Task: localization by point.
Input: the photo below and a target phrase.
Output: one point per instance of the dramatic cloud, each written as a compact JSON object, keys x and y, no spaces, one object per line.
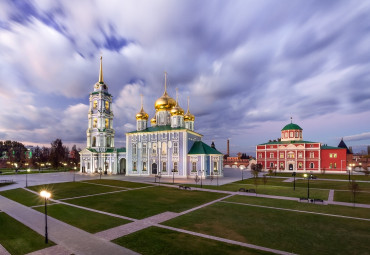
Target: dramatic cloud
{"x":247,"y":66}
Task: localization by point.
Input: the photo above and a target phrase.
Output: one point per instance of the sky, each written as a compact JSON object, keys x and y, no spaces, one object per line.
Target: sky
{"x":247,"y":67}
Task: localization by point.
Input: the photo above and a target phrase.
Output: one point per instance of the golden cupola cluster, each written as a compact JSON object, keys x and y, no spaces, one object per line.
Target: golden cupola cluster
{"x":142,"y":115}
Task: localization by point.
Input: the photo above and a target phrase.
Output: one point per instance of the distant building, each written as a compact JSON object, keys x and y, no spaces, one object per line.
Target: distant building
{"x":292,"y":153}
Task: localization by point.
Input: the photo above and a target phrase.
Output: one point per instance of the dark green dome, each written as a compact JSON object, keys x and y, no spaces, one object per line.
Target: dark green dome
{"x":292,"y":126}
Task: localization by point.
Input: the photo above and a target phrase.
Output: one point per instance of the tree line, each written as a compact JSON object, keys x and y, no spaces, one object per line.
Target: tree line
{"x":15,"y":155}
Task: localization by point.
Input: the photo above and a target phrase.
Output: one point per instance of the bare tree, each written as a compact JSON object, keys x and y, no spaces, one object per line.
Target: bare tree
{"x":264,"y":179}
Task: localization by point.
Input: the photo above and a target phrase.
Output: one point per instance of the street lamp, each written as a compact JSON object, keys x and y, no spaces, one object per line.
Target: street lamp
{"x":349,"y":171}
{"x":74,"y":174}
{"x":46,"y":195}
{"x":241,"y":169}
{"x":308,"y":184}
{"x":294,"y":174}
{"x":27,"y":171}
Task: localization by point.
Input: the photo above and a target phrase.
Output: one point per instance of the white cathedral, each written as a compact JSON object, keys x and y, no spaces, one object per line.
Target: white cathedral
{"x":170,"y":146}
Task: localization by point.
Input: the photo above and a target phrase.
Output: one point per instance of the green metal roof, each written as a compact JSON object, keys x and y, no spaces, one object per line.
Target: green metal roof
{"x":159,"y":128}
{"x":201,"y":148}
{"x":325,"y":147}
{"x":121,"y":150}
{"x":285,"y":142}
{"x":292,"y":126}
{"x":97,"y":92}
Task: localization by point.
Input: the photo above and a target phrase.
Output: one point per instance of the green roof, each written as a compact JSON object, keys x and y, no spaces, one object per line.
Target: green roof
{"x":325,"y":147}
{"x":159,"y":128}
{"x":97,"y":92}
{"x":201,"y":148}
{"x":292,"y":126}
{"x":286,"y":142}
{"x":121,"y":150}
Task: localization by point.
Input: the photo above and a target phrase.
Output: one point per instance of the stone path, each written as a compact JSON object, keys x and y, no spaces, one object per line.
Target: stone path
{"x":289,"y":180}
{"x":331,"y":196}
{"x":132,"y":227}
{"x":71,"y":238}
{"x":3,"y":251}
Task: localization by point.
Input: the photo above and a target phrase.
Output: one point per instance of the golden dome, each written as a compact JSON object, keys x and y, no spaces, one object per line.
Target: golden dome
{"x":165,"y":102}
{"x":142,"y":115}
{"x":153,"y":121}
{"x":177,"y":110}
{"x":189,"y":117}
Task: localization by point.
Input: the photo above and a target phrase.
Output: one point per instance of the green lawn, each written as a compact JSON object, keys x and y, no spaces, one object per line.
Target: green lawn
{"x":295,"y":232}
{"x":347,"y":196}
{"x":328,"y":176}
{"x":329,"y":209}
{"x":125,"y":184}
{"x":154,"y":240}
{"x":143,"y":203}
{"x":23,"y":197}
{"x":73,"y":189}
{"x":18,"y":238}
{"x":89,"y":221}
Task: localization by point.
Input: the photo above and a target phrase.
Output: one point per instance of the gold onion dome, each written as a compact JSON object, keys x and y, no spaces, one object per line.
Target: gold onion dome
{"x":153,"y":120}
{"x":142,"y":115}
{"x":188,"y":116}
{"x":165,"y":102}
{"x":177,"y":110}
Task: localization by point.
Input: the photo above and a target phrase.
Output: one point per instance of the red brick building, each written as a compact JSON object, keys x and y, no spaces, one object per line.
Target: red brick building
{"x":292,"y":153}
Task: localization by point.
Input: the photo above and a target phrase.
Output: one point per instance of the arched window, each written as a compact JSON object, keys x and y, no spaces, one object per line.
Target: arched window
{"x":312,"y":165}
{"x":175,"y":148}
{"x":154,"y":149}
{"x":106,"y":123}
{"x":194,"y":167}
{"x":95,"y":122}
{"x":215,"y":167}
{"x":175,"y":166}
{"x":300,"y":165}
{"x":134,"y":150}
{"x":95,"y":104}
{"x":164,"y":148}
{"x":144,"y":166}
{"x":93,"y":141}
{"x":144,"y":149}
{"x":107,"y":105}
{"x":164,"y":167}
{"x":108,"y":141}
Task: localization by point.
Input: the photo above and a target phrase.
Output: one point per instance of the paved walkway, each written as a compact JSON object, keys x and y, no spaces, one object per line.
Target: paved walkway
{"x":3,"y":251}
{"x":71,"y":238}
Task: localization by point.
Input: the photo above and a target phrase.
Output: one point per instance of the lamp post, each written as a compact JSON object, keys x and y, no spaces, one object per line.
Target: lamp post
{"x":308,"y":184}
{"x":241,"y":169}
{"x":173,"y":176}
{"x":294,"y":174}
{"x":46,"y":195}
{"x":27,"y":171}
{"x":349,"y":171}
{"x":74,"y":174}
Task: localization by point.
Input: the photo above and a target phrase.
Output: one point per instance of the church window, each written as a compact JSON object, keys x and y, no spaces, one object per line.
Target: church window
{"x":300,"y":155}
{"x":271,"y":165}
{"x":144,"y":149}
{"x":95,"y":122}
{"x":95,"y":104}
{"x":281,"y":154}
{"x":335,"y":155}
{"x":300,"y":165}
{"x":164,"y":167}
{"x":281,"y":165}
{"x":331,"y":165}
{"x":335,"y":165}
{"x":312,"y":154}
{"x":300,"y":134}
{"x":259,"y":155}
{"x":93,"y":142}
{"x":175,"y":166}
{"x":312,"y":165}
{"x":194,"y":167}
{"x":271,"y":155}
{"x":106,"y":123}
{"x":134,"y":149}
{"x":215,"y":167}
{"x":107,"y":105}
{"x":291,"y":135}
{"x":286,"y":134}
{"x":134,"y":166}
{"x":175,"y":148}
{"x":144,"y":166}
{"x":291,"y":155}
{"x":296,"y":134}
{"x":164,"y":148}
{"x":154,"y":149}
{"x":108,"y":141}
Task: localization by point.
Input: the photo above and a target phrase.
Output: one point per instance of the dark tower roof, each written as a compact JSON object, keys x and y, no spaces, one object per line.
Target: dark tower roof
{"x":342,"y":144}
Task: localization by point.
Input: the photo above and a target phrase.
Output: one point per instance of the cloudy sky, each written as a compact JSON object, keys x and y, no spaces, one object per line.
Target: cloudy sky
{"x":247,"y":66}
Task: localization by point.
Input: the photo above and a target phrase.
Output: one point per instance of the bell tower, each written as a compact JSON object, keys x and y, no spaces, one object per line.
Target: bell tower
{"x":100,"y":132}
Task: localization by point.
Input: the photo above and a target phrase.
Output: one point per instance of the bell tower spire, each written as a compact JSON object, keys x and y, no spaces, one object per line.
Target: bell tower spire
{"x":101,"y":70}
